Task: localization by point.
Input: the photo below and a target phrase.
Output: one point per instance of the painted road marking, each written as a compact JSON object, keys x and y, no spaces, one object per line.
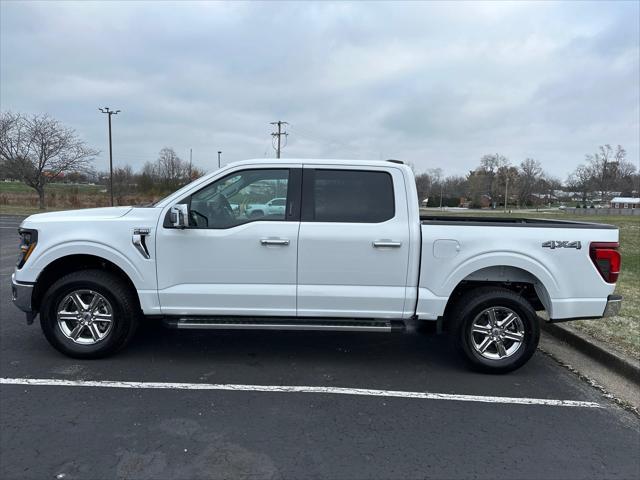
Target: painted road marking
{"x":296,"y":389}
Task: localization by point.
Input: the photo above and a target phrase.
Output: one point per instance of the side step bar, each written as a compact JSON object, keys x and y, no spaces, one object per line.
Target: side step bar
{"x":208,"y":323}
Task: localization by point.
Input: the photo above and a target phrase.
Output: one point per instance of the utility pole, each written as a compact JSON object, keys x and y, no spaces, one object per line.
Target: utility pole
{"x":441,"y":190}
{"x":506,"y":193}
{"x":278,"y":135}
{"x":109,"y":113}
{"x":219,"y":153}
{"x":190,"y":162}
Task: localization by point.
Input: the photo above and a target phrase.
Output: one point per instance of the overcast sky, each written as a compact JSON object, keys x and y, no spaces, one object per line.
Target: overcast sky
{"x":437,"y":85}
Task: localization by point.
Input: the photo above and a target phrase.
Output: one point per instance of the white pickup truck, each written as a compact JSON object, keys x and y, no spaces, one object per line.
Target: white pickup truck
{"x":349,"y":252}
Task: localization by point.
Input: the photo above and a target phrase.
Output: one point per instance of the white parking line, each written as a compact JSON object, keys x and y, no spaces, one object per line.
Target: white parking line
{"x":296,"y":389}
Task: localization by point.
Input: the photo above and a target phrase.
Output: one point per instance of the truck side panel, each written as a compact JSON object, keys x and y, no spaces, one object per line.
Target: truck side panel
{"x":565,"y":278}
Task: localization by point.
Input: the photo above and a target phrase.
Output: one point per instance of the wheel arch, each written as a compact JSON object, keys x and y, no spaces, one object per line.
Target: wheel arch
{"x":514,"y":278}
{"x":72,"y":263}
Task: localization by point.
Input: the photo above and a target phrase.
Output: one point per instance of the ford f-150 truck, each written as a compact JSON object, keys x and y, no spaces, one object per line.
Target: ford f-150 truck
{"x":349,"y":252}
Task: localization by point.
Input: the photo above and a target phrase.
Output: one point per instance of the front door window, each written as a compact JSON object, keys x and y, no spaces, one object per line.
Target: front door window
{"x":239,"y":198}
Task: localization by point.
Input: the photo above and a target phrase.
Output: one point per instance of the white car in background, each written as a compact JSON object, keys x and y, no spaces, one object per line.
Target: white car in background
{"x":274,"y":206}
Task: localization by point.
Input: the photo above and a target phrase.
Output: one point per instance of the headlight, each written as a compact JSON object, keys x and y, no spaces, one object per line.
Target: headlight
{"x":29,"y":239}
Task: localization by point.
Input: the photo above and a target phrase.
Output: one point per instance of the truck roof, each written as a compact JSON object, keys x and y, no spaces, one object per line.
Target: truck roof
{"x":314,"y":161}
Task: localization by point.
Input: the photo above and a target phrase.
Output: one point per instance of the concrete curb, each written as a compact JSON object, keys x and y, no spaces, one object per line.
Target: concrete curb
{"x":625,"y":366}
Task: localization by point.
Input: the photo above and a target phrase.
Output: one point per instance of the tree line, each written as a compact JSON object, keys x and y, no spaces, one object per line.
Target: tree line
{"x":497,"y":182}
{"x":168,"y":173}
{"x":38,"y":149}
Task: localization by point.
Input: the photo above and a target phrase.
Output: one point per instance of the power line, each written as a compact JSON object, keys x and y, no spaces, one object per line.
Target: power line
{"x":278,"y":135}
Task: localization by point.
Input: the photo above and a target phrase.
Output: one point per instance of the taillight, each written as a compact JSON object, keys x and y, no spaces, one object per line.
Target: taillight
{"x":606,"y":258}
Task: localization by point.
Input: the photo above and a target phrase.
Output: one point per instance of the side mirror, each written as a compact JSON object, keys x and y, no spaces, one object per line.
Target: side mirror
{"x":179,"y":215}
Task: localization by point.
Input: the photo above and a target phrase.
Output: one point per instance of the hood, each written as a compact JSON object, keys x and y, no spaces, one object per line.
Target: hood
{"x":78,"y":215}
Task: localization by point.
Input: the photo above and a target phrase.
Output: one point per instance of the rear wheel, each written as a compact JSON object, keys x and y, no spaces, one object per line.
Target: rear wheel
{"x":89,"y":314}
{"x":495,"y":329}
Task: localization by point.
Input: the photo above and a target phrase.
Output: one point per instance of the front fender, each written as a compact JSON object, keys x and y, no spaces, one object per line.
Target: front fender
{"x":30,"y":271}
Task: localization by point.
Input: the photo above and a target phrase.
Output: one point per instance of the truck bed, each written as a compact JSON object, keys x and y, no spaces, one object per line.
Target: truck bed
{"x":488,"y":221}
{"x":552,"y":255}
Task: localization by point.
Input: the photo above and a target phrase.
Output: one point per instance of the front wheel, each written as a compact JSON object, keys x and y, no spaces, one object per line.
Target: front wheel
{"x":495,"y":329}
{"x":89,"y":314}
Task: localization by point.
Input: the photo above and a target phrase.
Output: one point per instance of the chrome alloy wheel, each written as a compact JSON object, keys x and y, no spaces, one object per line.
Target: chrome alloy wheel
{"x":497,"y":333}
{"x":85,"y":317}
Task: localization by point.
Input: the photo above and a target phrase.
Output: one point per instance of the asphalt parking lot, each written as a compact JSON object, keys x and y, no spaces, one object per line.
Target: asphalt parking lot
{"x":130,"y":430}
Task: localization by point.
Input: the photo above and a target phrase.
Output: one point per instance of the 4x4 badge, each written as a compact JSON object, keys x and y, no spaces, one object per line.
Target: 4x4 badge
{"x":562,"y":244}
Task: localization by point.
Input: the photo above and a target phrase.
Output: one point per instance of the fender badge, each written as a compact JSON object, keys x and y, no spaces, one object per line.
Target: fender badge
{"x":553,"y":244}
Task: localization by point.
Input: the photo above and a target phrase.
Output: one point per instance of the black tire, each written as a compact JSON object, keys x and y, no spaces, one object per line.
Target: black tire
{"x":256,"y":214}
{"x":472,"y":304}
{"x":123,"y":302}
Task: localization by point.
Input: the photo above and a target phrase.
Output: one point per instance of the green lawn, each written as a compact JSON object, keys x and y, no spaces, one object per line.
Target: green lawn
{"x":19,"y":187}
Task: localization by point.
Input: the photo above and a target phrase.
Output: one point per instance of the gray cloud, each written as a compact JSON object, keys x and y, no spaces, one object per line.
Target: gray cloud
{"x":435,"y":84}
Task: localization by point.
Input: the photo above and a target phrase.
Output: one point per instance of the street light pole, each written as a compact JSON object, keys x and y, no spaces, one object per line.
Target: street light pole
{"x":219,"y":153}
{"x":506,"y":194}
{"x":109,"y":113}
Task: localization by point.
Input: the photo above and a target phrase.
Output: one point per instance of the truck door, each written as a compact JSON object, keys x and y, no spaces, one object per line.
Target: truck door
{"x":353,"y":246}
{"x":228,"y":261}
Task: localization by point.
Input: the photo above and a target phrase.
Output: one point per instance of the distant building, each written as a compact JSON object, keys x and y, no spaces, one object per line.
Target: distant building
{"x":625,"y":202}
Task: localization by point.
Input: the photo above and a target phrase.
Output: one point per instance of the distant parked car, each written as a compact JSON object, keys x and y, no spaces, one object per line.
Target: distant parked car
{"x":274,"y":206}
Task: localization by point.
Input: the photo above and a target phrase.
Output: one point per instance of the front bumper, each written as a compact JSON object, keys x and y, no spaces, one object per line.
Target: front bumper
{"x":614,"y":304}
{"x":21,"y":294}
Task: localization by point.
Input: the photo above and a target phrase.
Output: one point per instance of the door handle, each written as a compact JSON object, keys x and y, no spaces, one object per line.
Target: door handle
{"x":274,"y":241}
{"x":386,"y":244}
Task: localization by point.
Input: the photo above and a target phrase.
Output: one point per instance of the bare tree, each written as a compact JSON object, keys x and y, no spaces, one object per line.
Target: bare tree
{"x":505,"y":184}
{"x":123,"y":182}
{"x":196,"y":172}
{"x":455,"y":186}
{"x":423,"y":185}
{"x":581,"y":180}
{"x":428,"y":183}
{"x":604,"y":172}
{"x":530,"y":176}
{"x":172,"y":171}
{"x":608,"y":167}
{"x":493,"y":162}
{"x":490,"y":175}
{"x":435,"y":174}
{"x":38,"y":149}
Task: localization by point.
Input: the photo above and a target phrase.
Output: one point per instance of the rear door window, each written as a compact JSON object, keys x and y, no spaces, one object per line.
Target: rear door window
{"x":349,"y":196}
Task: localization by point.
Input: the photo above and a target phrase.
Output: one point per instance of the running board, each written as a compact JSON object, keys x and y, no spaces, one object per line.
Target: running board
{"x":207,"y":323}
